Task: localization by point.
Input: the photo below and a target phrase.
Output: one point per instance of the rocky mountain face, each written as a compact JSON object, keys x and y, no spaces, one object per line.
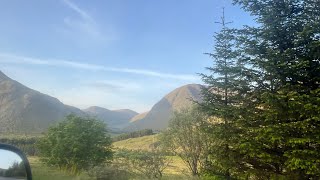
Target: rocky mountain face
{"x":159,"y":115}
{"x":116,"y":119}
{"x":24,"y":110}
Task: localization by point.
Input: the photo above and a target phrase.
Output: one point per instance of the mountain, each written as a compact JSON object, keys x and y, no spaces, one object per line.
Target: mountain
{"x":115,"y":119}
{"x":139,"y":117}
{"x":23,"y":110}
{"x":159,"y":115}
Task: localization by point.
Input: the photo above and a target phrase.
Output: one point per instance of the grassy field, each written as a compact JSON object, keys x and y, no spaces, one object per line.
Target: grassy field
{"x":42,"y":172}
{"x":177,"y":170}
{"x":176,"y":167}
{"x":140,"y":143}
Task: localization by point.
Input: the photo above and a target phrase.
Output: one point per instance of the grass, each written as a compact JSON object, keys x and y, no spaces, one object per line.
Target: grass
{"x":177,"y":170}
{"x":42,"y":172}
{"x":140,"y":143}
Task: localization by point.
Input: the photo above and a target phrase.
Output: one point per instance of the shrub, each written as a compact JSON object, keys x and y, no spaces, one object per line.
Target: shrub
{"x":76,"y":144}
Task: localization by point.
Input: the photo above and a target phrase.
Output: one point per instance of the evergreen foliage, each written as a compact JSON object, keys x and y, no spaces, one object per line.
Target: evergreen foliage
{"x":284,"y":49}
{"x":264,"y":91}
{"x":224,"y":101}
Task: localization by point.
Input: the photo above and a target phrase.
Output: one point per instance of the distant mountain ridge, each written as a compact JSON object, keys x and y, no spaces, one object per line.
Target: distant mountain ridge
{"x":116,"y":119}
{"x":25,"y":110}
{"x":159,"y":115}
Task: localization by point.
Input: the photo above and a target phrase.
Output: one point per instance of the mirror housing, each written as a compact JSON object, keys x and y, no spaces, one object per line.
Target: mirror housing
{"x":19,"y":161}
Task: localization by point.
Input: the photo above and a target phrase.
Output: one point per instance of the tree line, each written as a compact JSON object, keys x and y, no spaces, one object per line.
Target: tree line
{"x":16,"y":170}
{"x":135,"y":134}
{"x":26,"y":143}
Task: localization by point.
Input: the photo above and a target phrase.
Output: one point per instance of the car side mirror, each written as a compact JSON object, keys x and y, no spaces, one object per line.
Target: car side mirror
{"x":14,"y":165}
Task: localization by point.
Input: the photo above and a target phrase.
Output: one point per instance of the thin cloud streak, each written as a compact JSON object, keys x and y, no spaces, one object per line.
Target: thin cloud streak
{"x":14,"y":59}
{"x":78,"y":10}
{"x":83,"y":23}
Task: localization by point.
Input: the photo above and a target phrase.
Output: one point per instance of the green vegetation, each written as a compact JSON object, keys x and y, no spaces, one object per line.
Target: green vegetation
{"x":263,"y":91}
{"x":41,"y":171}
{"x":259,"y":118}
{"x":261,"y":99}
{"x":176,"y":169}
{"x":224,"y":100}
{"x":285,"y":121}
{"x":76,"y":144}
{"x":150,"y":164}
{"x":26,"y":143}
{"x":140,"y":133}
{"x":16,"y":170}
{"x":112,"y":171}
{"x":185,"y":139}
{"x":140,"y":143}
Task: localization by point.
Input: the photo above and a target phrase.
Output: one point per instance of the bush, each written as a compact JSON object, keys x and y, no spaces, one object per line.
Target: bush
{"x":76,"y":144}
{"x":146,"y":163}
{"x":109,"y":172}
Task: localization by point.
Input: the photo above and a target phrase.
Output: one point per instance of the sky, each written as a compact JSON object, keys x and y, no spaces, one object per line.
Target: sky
{"x":117,"y":54}
{"x":7,"y":158}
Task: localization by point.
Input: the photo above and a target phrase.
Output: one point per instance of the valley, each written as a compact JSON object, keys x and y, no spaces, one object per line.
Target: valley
{"x":27,"y":111}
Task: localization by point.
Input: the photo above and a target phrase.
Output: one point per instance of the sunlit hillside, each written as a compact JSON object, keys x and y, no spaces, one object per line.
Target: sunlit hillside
{"x":176,"y":167}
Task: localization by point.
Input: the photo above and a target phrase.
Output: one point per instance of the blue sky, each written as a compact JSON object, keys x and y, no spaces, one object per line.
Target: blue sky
{"x":8,"y":158}
{"x":113,"y":53}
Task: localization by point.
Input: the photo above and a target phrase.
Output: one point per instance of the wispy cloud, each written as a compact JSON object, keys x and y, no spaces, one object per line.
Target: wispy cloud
{"x":15,"y":59}
{"x":83,"y":22}
{"x":80,"y":11}
{"x":114,"y":85}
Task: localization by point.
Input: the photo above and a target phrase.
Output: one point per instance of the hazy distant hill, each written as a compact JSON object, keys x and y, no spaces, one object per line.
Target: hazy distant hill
{"x":139,"y":117}
{"x":116,"y":119}
{"x":25,"y":110}
{"x":158,"y":117}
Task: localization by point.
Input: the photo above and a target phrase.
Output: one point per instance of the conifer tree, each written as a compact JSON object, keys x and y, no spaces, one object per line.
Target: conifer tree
{"x":222,"y":100}
{"x":283,"y":131}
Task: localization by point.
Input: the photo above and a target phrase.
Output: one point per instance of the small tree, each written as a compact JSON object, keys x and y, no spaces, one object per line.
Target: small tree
{"x":148,"y":163}
{"x":185,"y":139}
{"x":223,"y":100}
{"x":76,"y":144}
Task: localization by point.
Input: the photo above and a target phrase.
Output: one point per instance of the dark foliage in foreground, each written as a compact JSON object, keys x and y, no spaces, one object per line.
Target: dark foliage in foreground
{"x":264,"y":89}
